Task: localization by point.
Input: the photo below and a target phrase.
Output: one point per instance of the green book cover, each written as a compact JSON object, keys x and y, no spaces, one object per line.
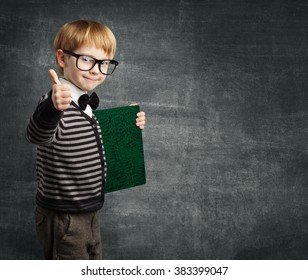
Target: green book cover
{"x":123,"y":145}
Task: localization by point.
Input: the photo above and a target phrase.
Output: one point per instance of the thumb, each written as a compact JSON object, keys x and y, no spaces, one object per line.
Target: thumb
{"x":54,"y":77}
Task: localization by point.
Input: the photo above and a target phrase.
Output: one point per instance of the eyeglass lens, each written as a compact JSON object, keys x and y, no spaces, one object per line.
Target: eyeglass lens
{"x":86,"y":63}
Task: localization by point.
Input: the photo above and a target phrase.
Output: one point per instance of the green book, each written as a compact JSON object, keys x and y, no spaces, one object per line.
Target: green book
{"x":123,"y":147}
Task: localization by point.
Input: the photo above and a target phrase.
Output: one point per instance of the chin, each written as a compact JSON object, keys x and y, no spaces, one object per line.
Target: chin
{"x":88,"y":88}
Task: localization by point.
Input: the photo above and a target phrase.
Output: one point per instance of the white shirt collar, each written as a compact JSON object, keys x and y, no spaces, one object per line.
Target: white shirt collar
{"x":76,"y":93}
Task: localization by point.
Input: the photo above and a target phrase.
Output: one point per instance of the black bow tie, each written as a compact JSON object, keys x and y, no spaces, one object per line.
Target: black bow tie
{"x":85,"y":99}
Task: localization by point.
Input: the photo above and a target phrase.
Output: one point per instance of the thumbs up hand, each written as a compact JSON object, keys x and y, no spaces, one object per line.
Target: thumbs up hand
{"x":61,"y":95}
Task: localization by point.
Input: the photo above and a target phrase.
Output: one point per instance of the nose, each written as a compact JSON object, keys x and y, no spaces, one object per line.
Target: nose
{"x":95,"y":69}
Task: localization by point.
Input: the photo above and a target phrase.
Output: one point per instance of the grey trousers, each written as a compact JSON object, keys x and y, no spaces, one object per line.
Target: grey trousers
{"x":68,"y":236}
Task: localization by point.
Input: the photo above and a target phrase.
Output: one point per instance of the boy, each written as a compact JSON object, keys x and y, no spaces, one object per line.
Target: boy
{"x":71,"y":166}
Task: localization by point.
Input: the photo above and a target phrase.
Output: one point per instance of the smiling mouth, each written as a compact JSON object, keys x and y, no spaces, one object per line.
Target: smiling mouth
{"x":92,"y":80}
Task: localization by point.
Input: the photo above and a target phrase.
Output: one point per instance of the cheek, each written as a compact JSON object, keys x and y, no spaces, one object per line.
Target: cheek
{"x":102,"y":79}
{"x":73,"y":74}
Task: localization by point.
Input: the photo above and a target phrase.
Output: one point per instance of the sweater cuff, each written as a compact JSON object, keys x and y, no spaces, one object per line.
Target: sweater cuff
{"x":46,"y":115}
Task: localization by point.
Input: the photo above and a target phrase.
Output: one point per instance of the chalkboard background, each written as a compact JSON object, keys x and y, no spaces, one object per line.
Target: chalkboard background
{"x":224,"y":86}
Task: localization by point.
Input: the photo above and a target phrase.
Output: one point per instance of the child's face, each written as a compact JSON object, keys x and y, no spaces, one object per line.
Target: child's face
{"x":85,"y":80}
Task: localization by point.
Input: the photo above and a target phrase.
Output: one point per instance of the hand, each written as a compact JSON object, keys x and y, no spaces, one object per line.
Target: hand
{"x":140,"y":121}
{"x":61,"y":95}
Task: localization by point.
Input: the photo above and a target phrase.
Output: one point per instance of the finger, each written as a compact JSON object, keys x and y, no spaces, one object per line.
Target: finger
{"x":65,"y":94}
{"x":63,"y":104}
{"x":133,"y":104}
{"x":140,"y":119}
{"x":138,"y":123}
{"x":54,"y":77}
{"x":66,"y":100}
{"x":141,"y":114}
{"x":64,"y":87}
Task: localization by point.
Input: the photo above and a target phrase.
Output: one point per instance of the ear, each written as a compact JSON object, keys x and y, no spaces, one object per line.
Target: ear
{"x":60,"y":58}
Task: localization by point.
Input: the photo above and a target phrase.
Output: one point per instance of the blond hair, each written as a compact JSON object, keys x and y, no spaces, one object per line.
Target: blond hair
{"x":77,"y":33}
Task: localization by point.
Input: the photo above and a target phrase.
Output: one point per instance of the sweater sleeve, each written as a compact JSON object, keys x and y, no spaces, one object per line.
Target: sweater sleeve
{"x":43,"y":124}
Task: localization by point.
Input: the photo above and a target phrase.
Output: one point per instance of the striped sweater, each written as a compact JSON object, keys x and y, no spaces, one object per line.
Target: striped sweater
{"x":70,"y":161}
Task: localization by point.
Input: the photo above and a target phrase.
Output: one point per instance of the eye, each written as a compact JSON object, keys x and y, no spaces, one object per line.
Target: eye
{"x":105,"y":63}
{"x":87,"y":59}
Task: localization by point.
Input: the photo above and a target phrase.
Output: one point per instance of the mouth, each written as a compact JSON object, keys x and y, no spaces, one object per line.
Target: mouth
{"x":91,"y":80}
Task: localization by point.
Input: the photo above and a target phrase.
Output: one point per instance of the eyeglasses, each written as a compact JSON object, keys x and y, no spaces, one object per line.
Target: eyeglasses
{"x":86,"y":63}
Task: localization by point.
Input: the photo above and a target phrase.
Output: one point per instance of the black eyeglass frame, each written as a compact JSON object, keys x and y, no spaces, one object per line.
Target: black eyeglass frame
{"x":96,"y":61}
